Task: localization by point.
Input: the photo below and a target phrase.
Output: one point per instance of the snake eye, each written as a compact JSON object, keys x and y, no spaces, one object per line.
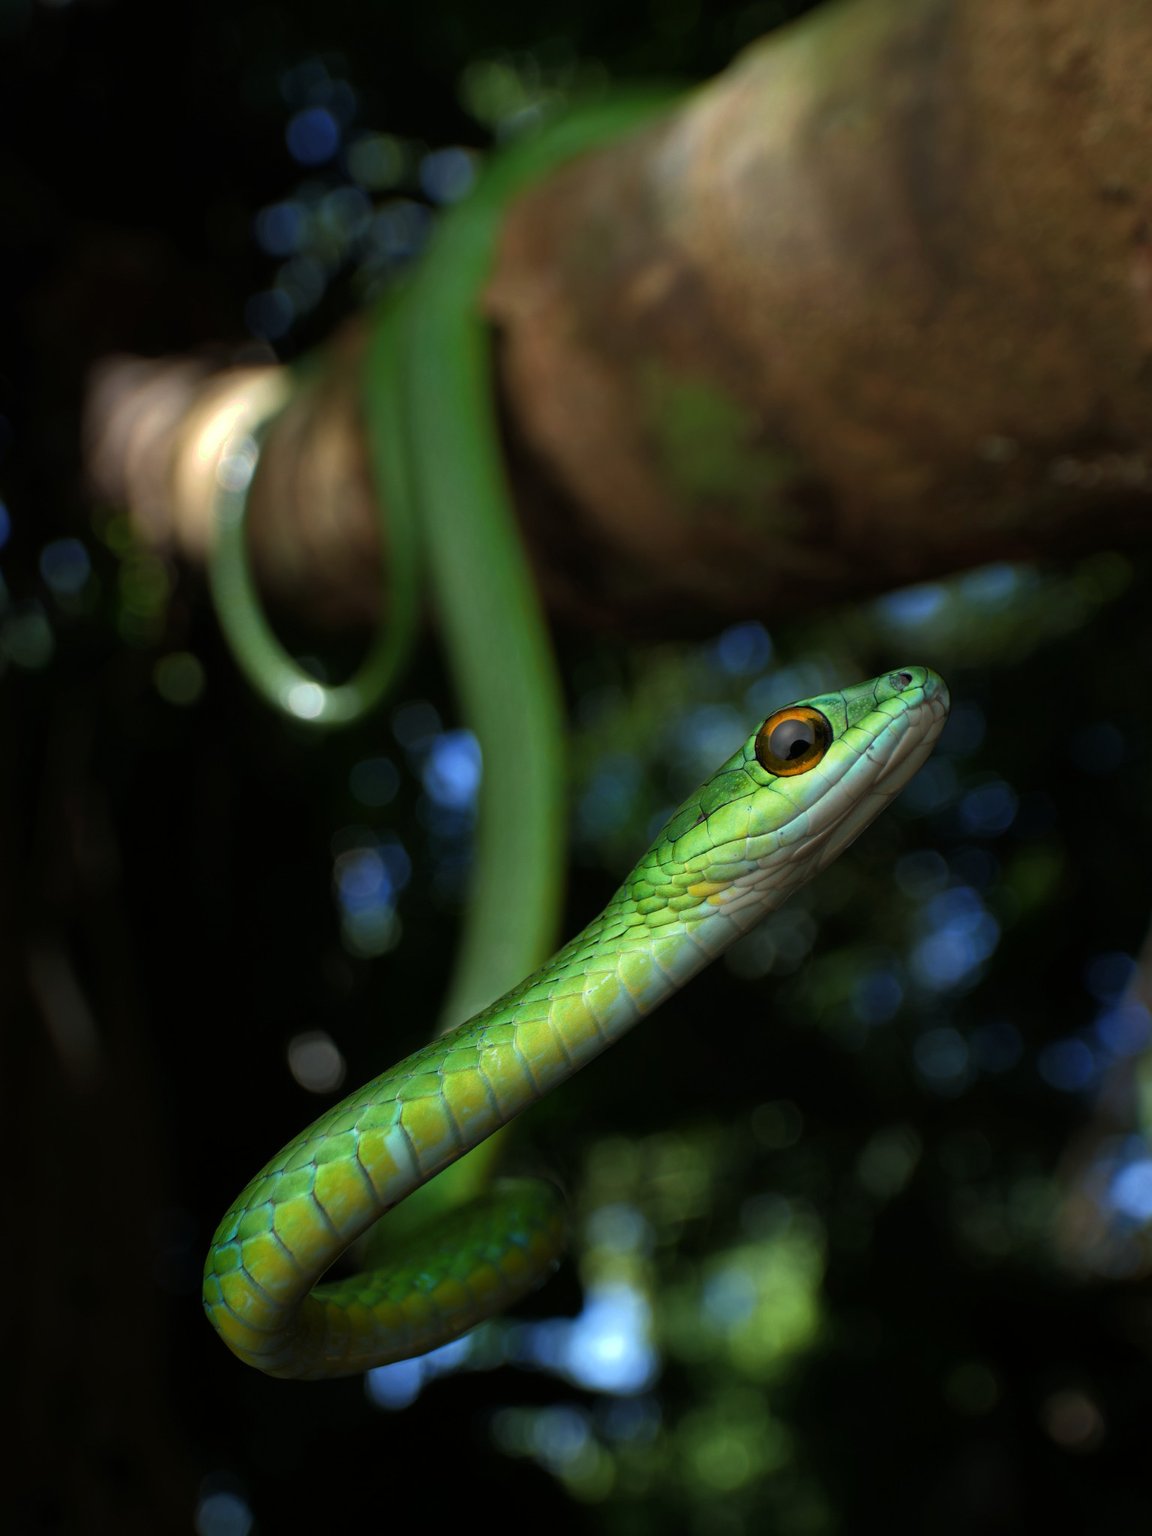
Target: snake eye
{"x":793,"y":740}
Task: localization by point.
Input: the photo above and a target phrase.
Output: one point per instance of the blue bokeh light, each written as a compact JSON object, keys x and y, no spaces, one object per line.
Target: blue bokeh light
{"x":877,"y":996}
{"x":453,"y":770}
{"x":1068,"y":1065}
{"x":730,"y":1297}
{"x":399,"y":1384}
{"x":447,"y":175}
{"x":609,"y":801}
{"x":279,"y":228}
{"x":989,"y":809}
{"x":743,"y":649}
{"x":1130,"y":1192}
{"x":1109,"y":975}
{"x":560,"y":1434}
{"x":362,"y":880}
{"x":1125,"y":1030}
{"x":620,"y":1228}
{"x":344,"y":215}
{"x":932,"y":788}
{"x":313,"y":136}
{"x":223,"y":1513}
{"x":965,"y":729}
{"x":912,"y":606}
{"x":961,"y":935}
{"x":368,"y":873}
{"x":65,"y":566}
{"x":707,"y":735}
{"x":991,"y":586}
{"x":606,"y":1348}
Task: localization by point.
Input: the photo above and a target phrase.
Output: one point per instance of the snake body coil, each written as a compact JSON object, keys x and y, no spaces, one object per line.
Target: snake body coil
{"x":803,"y":786}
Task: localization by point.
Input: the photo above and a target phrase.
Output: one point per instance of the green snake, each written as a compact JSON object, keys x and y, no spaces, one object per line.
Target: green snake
{"x":800,"y":789}
{"x":445,"y":515}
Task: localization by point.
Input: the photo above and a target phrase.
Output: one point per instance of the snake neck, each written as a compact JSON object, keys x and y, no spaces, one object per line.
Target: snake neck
{"x":592,"y":991}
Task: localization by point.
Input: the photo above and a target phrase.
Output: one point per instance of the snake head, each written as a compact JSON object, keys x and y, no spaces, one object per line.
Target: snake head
{"x":804,"y":785}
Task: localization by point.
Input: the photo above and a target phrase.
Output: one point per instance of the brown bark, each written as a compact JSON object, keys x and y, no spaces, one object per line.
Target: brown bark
{"x":874,"y":305}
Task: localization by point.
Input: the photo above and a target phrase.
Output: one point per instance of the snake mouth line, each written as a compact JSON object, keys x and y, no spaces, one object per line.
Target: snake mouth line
{"x":925,"y":722}
{"x":916,"y":745}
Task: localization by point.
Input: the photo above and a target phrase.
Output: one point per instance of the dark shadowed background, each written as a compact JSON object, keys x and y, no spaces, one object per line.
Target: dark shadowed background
{"x":859,"y":1216}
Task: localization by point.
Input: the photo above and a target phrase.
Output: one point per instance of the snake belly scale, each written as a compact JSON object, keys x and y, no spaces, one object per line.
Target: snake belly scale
{"x":802,"y":787}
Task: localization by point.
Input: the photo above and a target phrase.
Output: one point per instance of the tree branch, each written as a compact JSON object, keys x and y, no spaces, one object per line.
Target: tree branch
{"x":872,"y":306}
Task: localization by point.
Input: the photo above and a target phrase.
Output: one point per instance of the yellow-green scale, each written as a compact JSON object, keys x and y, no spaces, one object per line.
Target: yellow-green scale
{"x":366,"y":1154}
{"x":734,"y":851}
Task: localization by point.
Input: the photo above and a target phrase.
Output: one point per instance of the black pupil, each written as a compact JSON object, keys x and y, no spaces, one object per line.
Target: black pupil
{"x":791,"y":739}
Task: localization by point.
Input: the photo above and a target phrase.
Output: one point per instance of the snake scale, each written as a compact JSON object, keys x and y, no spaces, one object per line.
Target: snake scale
{"x":796,"y":793}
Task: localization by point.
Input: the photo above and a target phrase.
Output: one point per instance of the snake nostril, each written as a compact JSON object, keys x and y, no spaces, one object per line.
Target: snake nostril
{"x":900,"y":679}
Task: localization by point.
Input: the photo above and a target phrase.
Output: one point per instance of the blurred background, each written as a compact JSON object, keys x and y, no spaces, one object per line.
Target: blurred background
{"x":860,"y":1217}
